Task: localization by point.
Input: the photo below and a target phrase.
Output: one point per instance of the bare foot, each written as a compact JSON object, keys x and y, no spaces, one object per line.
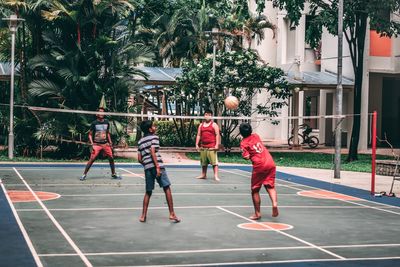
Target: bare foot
{"x":201,"y":177}
{"x":142,"y":219}
{"x":174,"y":219}
{"x":255,"y":217}
{"x":217,"y":179}
{"x":275,"y":212}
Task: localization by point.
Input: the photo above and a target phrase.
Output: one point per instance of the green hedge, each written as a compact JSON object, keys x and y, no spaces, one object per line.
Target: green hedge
{"x":169,"y":136}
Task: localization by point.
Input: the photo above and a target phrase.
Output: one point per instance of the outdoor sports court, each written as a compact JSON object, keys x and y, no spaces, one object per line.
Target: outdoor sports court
{"x":67,"y":222}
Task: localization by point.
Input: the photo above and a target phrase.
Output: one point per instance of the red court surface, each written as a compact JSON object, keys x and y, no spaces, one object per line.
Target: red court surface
{"x":323,"y":194}
{"x":265,"y":226}
{"x":27,"y":196}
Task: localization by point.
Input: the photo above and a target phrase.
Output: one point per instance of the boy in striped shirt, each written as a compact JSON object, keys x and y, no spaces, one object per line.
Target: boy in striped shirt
{"x":154,"y":169}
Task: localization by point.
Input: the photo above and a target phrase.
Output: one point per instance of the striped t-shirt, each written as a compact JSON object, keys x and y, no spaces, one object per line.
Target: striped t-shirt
{"x":144,"y":148}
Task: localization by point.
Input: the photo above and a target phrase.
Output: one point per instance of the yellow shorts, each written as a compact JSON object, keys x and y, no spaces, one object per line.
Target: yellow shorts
{"x":208,"y":156}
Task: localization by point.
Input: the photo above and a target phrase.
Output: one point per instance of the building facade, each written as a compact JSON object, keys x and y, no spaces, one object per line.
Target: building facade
{"x":381,"y":82}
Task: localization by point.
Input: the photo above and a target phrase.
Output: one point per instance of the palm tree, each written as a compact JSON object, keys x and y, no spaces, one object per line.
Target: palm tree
{"x":93,"y":62}
{"x":99,"y":59}
{"x":255,"y":26}
{"x":179,"y":33}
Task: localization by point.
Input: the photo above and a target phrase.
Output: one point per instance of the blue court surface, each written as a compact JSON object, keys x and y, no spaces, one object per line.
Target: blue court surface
{"x":51,"y":218}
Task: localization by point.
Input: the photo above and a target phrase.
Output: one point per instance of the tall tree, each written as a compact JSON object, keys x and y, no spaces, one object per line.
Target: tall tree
{"x":86,"y":49}
{"x":239,"y":72}
{"x":357,"y":15}
{"x":178,"y":29}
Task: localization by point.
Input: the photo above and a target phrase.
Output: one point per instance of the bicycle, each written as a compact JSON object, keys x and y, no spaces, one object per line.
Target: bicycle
{"x":304,"y":138}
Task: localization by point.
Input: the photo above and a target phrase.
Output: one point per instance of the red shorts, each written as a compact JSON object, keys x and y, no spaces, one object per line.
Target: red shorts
{"x":105,"y":148}
{"x":263,"y":176}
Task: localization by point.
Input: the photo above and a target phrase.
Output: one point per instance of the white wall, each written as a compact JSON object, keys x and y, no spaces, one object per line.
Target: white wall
{"x":267,"y":48}
{"x":268,"y":51}
{"x":289,"y":45}
{"x":330,"y":52}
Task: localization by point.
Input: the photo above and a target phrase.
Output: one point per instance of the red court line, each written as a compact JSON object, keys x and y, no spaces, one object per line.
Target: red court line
{"x":323,"y":194}
{"x":265,"y":226}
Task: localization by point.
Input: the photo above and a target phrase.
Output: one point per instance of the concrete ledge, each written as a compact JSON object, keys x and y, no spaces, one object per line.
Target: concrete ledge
{"x":387,"y":167}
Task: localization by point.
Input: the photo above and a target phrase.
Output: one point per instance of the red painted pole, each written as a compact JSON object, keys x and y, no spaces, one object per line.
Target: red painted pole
{"x":374,"y":115}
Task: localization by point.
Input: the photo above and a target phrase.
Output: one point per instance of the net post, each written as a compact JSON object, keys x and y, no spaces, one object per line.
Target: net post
{"x":374,"y":117}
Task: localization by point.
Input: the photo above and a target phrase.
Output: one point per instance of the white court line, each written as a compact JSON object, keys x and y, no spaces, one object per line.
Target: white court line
{"x":249,"y":176}
{"x":378,"y":203}
{"x":85,"y":184}
{"x":195,"y":251}
{"x":135,"y":174}
{"x":175,"y":251}
{"x":58,"y":169}
{"x":162,"y":194}
{"x":198,"y":207}
{"x":363,"y":246}
{"x":82,"y":184}
{"x":42,"y":169}
{"x":285,"y":234}
{"x":258,"y":262}
{"x":59,"y":227}
{"x":347,"y":201}
{"x":168,"y":168}
{"x":21,"y":227}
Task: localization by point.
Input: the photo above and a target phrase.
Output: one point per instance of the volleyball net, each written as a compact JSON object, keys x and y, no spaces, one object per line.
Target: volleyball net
{"x":286,"y":136}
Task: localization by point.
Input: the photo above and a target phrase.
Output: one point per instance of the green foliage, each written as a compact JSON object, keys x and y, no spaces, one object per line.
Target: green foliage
{"x":70,"y":53}
{"x":131,"y":140}
{"x":88,"y":52}
{"x":357,"y":13}
{"x":237,"y":73}
{"x":76,"y":52}
{"x":178,"y":28}
{"x":326,"y":15}
{"x":167,"y":131}
{"x":302,"y":160}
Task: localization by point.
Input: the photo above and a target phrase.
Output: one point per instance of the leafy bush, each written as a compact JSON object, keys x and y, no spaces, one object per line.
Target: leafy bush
{"x":169,"y":136}
{"x":131,"y":140}
{"x":238,"y":73}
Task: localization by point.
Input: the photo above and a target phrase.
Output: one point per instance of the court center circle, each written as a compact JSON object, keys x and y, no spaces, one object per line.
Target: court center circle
{"x":27,"y":196}
{"x":265,"y":226}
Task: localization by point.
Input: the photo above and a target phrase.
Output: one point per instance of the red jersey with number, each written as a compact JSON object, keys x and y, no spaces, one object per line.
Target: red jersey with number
{"x":208,"y":136}
{"x":264,"y":169}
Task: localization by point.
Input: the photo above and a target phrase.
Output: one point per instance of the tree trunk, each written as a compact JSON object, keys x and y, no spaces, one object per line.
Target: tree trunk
{"x":78,"y":30}
{"x":355,"y":133}
{"x":358,"y":61}
{"x":22,"y":65}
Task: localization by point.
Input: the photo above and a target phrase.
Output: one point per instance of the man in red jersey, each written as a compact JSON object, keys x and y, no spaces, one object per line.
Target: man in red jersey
{"x":207,"y":142}
{"x":264,"y":169}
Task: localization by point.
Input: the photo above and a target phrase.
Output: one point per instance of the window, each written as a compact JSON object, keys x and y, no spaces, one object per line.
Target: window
{"x":311,"y":109}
